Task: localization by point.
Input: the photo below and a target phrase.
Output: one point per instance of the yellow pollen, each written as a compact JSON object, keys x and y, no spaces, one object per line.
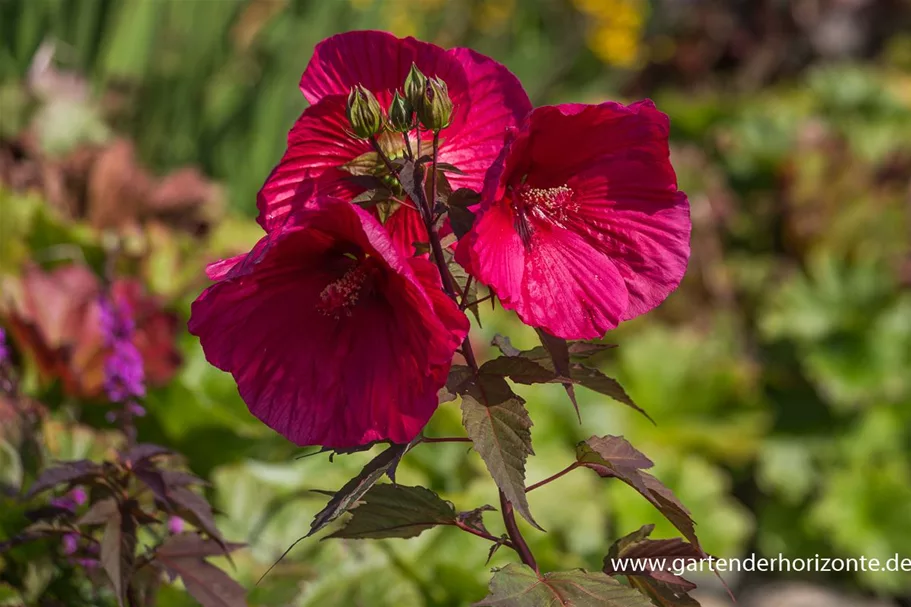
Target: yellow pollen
{"x":556,"y":203}
{"x":340,"y":296}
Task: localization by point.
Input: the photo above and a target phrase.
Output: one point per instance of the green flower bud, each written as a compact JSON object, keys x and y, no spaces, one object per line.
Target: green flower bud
{"x":364,"y":113}
{"x":401,"y":114}
{"x":435,"y":111}
{"x":414,"y":86}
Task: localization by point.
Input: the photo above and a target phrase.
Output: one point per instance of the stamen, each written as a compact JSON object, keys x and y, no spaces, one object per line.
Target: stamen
{"x":556,"y":203}
{"x":340,"y":297}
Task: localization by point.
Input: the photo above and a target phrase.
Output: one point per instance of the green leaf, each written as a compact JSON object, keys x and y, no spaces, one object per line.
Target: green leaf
{"x":365,"y":164}
{"x":396,"y":511}
{"x":519,"y":586}
{"x":501,"y":434}
{"x":346,"y":497}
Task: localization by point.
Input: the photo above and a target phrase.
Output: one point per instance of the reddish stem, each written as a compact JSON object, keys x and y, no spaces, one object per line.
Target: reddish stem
{"x":484,"y":535}
{"x":509,"y":517}
{"x":446,"y":439}
{"x":512,"y":529}
{"x":550,"y":479}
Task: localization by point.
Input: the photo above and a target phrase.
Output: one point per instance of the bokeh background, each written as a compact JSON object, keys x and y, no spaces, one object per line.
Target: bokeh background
{"x":779,"y":374}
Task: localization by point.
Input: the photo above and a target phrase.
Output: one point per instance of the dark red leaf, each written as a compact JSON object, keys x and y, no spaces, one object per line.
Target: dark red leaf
{"x":182,"y":555}
{"x":78,"y":471}
{"x":144,"y":452}
{"x":118,"y":546}
{"x":195,"y":509}
{"x":100,"y":512}
{"x":613,"y":456}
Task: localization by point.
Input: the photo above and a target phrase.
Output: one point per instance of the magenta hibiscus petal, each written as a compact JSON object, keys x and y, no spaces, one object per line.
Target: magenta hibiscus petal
{"x":585,"y":227}
{"x":488,"y":101}
{"x":334,"y":337}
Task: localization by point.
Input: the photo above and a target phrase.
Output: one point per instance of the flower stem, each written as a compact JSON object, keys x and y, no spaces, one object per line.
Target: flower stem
{"x":509,"y":517}
{"x":550,"y":479}
{"x":512,"y":529}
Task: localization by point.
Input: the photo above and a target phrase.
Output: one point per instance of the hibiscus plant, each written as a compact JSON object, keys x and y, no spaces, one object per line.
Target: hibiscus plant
{"x":417,"y":179}
{"x":419,"y":184}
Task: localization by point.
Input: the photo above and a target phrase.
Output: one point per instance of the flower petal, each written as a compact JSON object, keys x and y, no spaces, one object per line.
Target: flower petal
{"x":321,"y":380}
{"x":318,"y":145}
{"x":377,"y":60}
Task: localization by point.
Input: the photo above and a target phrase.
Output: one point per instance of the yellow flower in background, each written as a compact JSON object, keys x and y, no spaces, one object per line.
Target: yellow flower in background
{"x":616,"y":33}
{"x":493,"y":15}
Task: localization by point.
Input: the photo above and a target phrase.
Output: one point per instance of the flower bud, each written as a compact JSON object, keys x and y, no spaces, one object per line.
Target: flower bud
{"x":401,"y":114}
{"x":435,"y":111}
{"x":414,"y":86}
{"x":364,"y":113}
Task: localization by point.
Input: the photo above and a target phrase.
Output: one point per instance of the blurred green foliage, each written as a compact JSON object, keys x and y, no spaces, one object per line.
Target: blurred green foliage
{"x":778,"y":374}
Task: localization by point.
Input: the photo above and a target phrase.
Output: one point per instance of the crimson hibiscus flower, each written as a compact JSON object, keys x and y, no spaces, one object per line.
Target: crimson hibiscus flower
{"x":334,"y":337}
{"x":322,"y":157}
{"x":585,"y":226}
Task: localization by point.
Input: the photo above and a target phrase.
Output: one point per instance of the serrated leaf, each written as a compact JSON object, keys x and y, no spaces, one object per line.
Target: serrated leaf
{"x":475,"y":518}
{"x":518,"y":369}
{"x":519,"y":586}
{"x":501,"y":434}
{"x":396,"y":511}
{"x":593,"y":379}
{"x":410,"y":177}
{"x":65,"y":473}
{"x":614,"y":457}
{"x":345,"y":498}
{"x":636,"y":555}
{"x":613,"y":451}
{"x":365,"y":164}
{"x":182,"y":555}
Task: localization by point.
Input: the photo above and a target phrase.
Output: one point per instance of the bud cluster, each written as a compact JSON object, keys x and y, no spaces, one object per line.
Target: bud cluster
{"x":425,"y":101}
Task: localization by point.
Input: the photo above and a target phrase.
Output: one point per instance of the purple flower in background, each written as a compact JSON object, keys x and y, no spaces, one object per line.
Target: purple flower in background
{"x":70,"y":543}
{"x":124,"y":375}
{"x":175,"y":525}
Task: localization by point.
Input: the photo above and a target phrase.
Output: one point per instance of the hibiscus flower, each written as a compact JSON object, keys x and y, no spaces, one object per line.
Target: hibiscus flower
{"x":323,"y":158}
{"x":334,"y":337}
{"x":584,"y":227}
